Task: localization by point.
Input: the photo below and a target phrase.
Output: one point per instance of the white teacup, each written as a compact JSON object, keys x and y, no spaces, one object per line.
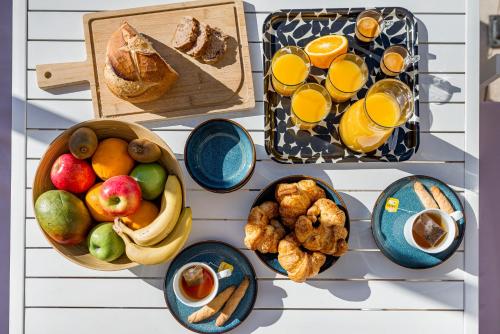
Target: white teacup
{"x":197,"y":303}
{"x":448,"y":219}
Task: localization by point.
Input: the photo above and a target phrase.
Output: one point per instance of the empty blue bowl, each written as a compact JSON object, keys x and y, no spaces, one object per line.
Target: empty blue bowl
{"x":220,"y":155}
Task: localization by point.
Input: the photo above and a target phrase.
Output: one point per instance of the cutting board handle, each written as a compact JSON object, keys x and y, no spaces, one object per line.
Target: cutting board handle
{"x":63,"y":74}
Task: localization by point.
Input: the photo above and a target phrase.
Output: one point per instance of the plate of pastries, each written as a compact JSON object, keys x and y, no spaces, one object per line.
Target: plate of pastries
{"x":298,"y":226}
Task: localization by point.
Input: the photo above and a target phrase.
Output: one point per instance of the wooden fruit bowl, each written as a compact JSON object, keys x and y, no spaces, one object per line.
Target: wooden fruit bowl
{"x":104,"y":129}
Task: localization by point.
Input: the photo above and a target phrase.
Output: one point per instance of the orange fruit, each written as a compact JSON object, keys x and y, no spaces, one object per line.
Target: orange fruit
{"x":324,"y":49}
{"x":112,"y":159}
{"x":146,"y":213}
{"x":95,"y":208}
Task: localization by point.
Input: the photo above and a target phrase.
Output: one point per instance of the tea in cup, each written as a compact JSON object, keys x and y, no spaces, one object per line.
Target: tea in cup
{"x":369,"y":25}
{"x":432,"y":230}
{"x":396,"y":60}
{"x":196,"y":284}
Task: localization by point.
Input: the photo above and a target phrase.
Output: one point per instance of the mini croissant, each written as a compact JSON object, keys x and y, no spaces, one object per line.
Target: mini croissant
{"x":295,"y":198}
{"x":329,"y":236}
{"x":299,"y":265}
{"x":262,"y":232}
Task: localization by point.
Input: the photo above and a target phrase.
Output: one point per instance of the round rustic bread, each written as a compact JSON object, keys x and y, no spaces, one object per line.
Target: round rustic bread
{"x":134,"y":71}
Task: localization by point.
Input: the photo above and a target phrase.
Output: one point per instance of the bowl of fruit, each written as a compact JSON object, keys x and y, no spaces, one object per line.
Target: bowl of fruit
{"x":109,"y":195}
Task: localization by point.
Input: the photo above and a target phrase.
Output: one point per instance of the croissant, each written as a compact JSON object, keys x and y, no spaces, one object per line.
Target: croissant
{"x":299,"y":265}
{"x":329,"y":235}
{"x":295,"y":198}
{"x":262,"y":232}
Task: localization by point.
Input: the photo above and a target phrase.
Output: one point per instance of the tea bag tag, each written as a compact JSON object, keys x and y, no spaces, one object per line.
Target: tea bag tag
{"x":392,"y":205}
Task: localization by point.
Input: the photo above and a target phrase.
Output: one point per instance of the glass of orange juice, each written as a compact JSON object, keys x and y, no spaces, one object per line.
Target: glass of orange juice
{"x":290,"y":68}
{"x":396,"y":59}
{"x":369,"y":24}
{"x":310,"y":105}
{"x":346,"y":75}
{"x":369,"y":122}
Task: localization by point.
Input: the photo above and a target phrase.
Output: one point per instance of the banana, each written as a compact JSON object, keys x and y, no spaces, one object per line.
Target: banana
{"x":171,"y":205}
{"x":165,"y":249}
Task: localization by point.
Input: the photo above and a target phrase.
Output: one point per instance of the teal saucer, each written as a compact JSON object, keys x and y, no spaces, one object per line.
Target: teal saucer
{"x":387,"y":227}
{"x":220,"y":155}
{"x":212,"y":253}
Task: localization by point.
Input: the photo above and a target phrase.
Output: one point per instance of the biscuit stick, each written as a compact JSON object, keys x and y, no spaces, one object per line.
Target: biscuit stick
{"x":232,"y":303}
{"x":213,"y":307}
{"x":424,"y":196}
{"x":441,"y":200}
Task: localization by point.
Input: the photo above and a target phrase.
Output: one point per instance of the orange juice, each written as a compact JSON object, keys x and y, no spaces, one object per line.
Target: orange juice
{"x":364,"y":130}
{"x":310,"y":104}
{"x":392,"y":63}
{"x":367,"y":29}
{"x":345,"y":78}
{"x":289,"y":70}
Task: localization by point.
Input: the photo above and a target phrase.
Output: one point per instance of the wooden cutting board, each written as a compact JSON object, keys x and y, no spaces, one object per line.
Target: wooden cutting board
{"x":201,"y":88}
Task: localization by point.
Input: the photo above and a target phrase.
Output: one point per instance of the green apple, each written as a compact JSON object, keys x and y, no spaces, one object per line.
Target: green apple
{"x":151,"y":179}
{"x":104,"y":243}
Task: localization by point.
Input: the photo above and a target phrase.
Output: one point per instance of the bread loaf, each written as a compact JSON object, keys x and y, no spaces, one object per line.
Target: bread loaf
{"x":134,"y":71}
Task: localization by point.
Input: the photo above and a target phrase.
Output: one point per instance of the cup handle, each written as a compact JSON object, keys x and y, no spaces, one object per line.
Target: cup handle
{"x":412,"y":60}
{"x":224,"y":274}
{"x":457,"y":215}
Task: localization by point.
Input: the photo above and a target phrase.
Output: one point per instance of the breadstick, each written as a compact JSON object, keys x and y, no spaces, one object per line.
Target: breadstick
{"x":213,"y":307}
{"x":232,"y":303}
{"x":441,"y":200}
{"x":424,"y":196}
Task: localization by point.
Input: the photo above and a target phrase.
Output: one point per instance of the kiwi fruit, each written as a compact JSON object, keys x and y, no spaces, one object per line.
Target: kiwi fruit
{"x":83,"y":143}
{"x":144,"y":151}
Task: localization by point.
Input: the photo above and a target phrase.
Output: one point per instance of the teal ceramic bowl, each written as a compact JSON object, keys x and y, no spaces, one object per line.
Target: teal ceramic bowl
{"x":388,"y":223}
{"x":267,"y":194}
{"x":220,"y":155}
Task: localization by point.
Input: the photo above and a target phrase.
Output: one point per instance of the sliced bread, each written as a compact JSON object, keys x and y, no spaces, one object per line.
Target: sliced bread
{"x":202,"y":41}
{"x":216,"y":48}
{"x":186,"y":33}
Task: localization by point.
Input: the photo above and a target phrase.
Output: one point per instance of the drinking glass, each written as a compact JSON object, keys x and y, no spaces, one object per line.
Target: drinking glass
{"x":298,"y":116}
{"x":369,"y":24}
{"x":396,"y":60}
{"x":279,"y":70}
{"x":343,"y":82}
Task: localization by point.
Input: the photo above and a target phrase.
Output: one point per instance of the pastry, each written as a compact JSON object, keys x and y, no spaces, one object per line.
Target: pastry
{"x":186,"y":33}
{"x":217,"y":47}
{"x":262,"y":231}
{"x":213,"y":307}
{"x":295,"y":199}
{"x":328,"y":234}
{"x":441,"y":200}
{"x":232,"y":303}
{"x":424,"y":196}
{"x":134,"y":70}
{"x":299,"y":265}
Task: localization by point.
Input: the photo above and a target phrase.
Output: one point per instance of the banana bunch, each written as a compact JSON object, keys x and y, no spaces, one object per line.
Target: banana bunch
{"x":160,"y":240}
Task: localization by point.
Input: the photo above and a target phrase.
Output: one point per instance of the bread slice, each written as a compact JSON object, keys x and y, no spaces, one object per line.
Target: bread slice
{"x":217,"y":47}
{"x":202,"y":41}
{"x":186,"y":33}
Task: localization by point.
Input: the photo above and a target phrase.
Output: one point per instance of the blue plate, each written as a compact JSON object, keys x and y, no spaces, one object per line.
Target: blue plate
{"x":387,"y":227}
{"x":220,"y":155}
{"x":212,"y":253}
{"x":267,"y":194}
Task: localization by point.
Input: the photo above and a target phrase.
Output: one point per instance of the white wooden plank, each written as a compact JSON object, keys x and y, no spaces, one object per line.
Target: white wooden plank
{"x":365,"y":265}
{"x":434,"y":57}
{"x":237,"y":205}
{"x":445,"y":146}
{"x":433,"y":88}
{"x":340,"y":176}
{"x":69,"y":26}
{"x":61,"y":114}
{"x":272,"y":294}
{"x":83,"y":321}
{"x":447,"y":6}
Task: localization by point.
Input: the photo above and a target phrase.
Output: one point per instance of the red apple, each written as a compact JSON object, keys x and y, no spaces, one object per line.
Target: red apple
{"x":72,"y":174}
{"x":120,"y":196}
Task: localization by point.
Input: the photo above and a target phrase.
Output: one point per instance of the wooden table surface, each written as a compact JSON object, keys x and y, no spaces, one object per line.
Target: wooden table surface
{"x":363,"y":293}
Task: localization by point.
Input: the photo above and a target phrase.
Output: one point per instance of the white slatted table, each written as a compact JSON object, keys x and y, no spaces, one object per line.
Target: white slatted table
{"x":363,"y":293}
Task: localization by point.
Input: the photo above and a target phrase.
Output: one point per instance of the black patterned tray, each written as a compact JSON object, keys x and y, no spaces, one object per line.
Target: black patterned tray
{"x":286,"y":143}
